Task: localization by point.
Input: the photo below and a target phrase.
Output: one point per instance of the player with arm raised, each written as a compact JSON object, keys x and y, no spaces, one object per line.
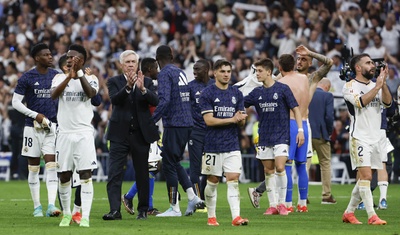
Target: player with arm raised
{"x":75,"y":147}
{"x":364,"y":99}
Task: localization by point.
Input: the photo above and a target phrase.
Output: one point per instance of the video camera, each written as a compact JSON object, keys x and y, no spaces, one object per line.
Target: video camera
{"x":346,"y":74}
{"x":379,"y":63}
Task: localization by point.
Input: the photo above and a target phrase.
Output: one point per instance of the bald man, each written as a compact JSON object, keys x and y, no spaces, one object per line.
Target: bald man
{"x":321,"y":117}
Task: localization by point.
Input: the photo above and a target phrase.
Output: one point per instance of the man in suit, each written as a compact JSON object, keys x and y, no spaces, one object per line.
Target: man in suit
{"x":131,"y":130}
{"x":321,"y":115}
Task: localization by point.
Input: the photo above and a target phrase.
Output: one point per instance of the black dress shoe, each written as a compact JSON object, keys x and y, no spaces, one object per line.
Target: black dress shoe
{"x":142,"y":215}
{"x":112,"y":215}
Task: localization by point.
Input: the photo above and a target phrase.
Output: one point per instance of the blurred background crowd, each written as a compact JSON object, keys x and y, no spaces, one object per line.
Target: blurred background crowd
{"x":239,"y":31}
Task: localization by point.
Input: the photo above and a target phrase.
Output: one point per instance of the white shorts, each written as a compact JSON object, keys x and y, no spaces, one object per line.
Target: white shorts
{"x":37,"y":142}
{"x":386,"y":146}
{"x":75,"y":151}
{"x":269,"y":153}
{"x":363,"y":154}
{"x":310,"y":151}
{"x":217,"y":163}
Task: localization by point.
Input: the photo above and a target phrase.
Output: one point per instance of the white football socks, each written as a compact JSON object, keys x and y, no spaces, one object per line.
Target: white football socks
{"x":233,"y":198}
{"x":51,"y":182}
{"x":355,"y":199}
{"x":64,"y":190}
{"x":270,"y":185}
{"x":87,"y":197}
{"x":281,"y":185}
{"x":34,"y":184}
{"x":210,"y":193}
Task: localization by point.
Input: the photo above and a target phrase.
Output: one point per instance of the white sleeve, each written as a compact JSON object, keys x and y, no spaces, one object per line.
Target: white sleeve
{"x":93,"y":81}
{"x":20,"y":107}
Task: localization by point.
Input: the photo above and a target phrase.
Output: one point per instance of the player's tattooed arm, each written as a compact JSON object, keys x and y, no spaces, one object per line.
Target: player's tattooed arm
{"x":322,"y":70}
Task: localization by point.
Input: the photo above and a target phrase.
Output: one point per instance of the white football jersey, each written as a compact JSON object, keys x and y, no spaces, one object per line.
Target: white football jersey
{"x":75,"y":110}
{"x":365,"y":120}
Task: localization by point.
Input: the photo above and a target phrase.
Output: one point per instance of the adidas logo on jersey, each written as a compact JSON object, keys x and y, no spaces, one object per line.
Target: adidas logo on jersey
{"x":260,"y":98}
{"x":198,"y":93}
{"x":36,"y":84}
{"x":94,"y":163}
{"x":285,"y":151}
{"x":182,"y":80}
{"x":217,"y":100}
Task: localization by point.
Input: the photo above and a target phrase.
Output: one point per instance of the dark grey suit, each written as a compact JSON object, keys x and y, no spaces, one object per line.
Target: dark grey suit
{"x":130,"y":130}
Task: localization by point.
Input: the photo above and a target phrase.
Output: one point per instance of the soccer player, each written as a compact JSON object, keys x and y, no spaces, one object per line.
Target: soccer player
{"x":303,"y":63}
{"x":76,"y":182}
{"x":380,"y":177}
{"x":223,"y":111}
{"x":75,"y":140}
{"x":39,"y":132}
{"x":196,"y":140}
{"x":299,"y":85}
{"x":175,"y":111}
{"x":273,"y":101}
{"x":364,"y":99}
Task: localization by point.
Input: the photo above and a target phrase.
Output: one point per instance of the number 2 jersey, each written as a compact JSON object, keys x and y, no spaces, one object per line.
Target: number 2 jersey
{"x":365,"y":120}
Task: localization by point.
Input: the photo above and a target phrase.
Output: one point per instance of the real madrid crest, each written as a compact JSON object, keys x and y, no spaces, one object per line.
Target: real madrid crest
{"x":26,"y":149}
{"x":233,"y":100}
{"x":275,"y":97}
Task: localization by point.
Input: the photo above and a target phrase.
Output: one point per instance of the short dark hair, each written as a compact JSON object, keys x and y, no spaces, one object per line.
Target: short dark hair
{"x":62,"y":61}
{"x":80,"y":49}
{"x":221,"y":62}
{"x":147,"y":64}
{"x":266,"y":63}
{"x":37,"y":48}
{"x":287,"y":62}
{"x":355,"y":60}
{"x":164,"y":52}
{"x":204,"y":62}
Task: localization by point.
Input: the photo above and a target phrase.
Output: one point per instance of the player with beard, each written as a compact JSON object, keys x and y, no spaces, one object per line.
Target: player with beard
{"x":364,"y":99}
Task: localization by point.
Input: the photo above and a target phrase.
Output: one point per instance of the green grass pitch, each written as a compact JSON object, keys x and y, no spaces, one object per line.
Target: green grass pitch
{"x":16,"y":215}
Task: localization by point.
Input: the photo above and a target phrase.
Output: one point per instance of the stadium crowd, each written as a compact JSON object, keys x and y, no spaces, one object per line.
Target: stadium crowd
{"x":239,"y":31}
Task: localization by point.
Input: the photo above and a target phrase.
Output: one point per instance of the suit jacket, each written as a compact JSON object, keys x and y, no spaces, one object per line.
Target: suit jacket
{"x":321,"y":114}
{"x":118,"y":126}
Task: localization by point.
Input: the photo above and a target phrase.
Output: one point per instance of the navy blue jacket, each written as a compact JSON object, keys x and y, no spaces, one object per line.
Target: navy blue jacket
{"x":321,"y":114}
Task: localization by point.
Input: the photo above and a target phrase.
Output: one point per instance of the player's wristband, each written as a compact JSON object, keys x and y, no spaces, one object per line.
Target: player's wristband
{"x":300,"y":130}
{"x":144,"y":92}
{"x":80,"y":73}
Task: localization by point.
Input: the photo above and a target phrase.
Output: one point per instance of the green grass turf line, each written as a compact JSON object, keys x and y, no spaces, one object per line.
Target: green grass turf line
{"x":16,"y":214}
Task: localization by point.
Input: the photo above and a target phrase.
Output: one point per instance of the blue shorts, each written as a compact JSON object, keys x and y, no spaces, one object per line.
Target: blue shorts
{"x":299,"y":154}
